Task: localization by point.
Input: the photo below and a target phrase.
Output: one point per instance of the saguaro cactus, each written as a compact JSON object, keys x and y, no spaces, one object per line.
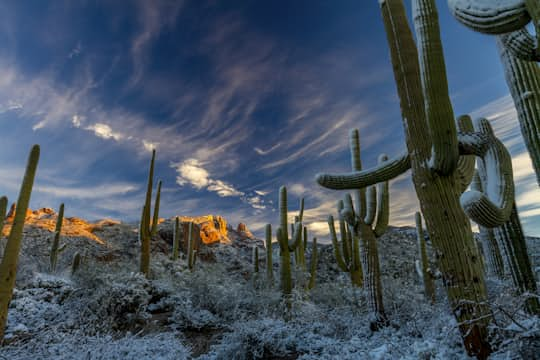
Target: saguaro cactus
{"x":176,"y":239}
{"x":255,"y":257}
{"x":8,"y":266}
{"x":523,"y":80}
{"x":192,"y":253}
{"x":75,"y":263}
{"x":438,"y":187}
{"x":427,"y":273}
{"x":286,"y":246}
{"x":269,"y":251}
{"x":55,"y":248}
{"x":503,"y":17}
{"x":147,"y":229}
{"x":313,"y":265}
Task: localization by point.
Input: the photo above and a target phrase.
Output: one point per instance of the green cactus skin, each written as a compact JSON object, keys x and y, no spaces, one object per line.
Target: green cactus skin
{"x":8,"y":266}
{"x":508,"y":18}
{"x":448,"y":227}
{"x":493,"y":260}
{"x":55,"y":248}
{"x":427,"y":275}
{"x":285,"y":264}
{"x":493,"y":206}
{"x":255,"y":257}
{"x":75,"y":264}
{"x":511,"y":240}
{"x":144,"y":229}
{"x":466,"y":163}
{"x":523,"y":80}
{"x":438,"y":108}
{"x":313,"y":265}
{"x":269,"y":251}
{"x":176,"y":239}
{"x":155,"y":218}
{"x":192,"y":254}
{"x":346,"y":263}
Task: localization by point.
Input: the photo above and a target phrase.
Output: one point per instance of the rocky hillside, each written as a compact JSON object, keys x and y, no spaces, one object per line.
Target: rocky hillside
{"x":222,"y":309}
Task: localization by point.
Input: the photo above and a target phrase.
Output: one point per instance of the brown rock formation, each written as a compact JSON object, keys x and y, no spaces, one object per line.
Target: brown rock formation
{"x":243,"y":231}
{"x":45,"y":218}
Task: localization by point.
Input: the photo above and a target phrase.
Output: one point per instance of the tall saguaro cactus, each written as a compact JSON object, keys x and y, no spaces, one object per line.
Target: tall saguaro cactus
{"x":55,"y":248}
{"x":147,"y":228}
{"x":523,"y":80}
{"x":421,"y":86}
{"x":286,"y":245}
{"x":8,"y":266}
{"x":176,"y":239}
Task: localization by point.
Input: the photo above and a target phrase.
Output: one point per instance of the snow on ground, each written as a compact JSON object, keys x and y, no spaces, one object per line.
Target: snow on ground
{"x":222,"y":311}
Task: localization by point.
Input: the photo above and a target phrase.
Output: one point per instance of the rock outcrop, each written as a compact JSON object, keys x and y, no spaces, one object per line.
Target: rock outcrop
{"x":243,"y":231}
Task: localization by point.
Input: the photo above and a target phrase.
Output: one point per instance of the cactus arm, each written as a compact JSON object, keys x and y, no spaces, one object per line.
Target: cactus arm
{"x":148,"y":198}
{"x":383,"y":207}
{"x":301,"y":211}
{"x":283,"y":211}
{"x":337,"y":252}
{"x":533,"y":8}
{"x":297,"y":240}
{"x":8,"y":266}
{"x":356,"y":180}
{"x":523,"y":80}
{"x":313,"y":265}
{"x":176,"y":239}
{"x":155,"y":218}
{"x":347,"y":212}
{"x":356,"y":165}
{"x":59,"y":219}
{"x":144,"y":229}
{"x":521,"y":45}
{"x":466,"y":163}
{"x":269,"y":262}
{"x":371,"y":204}
{"x":490,"y":16}
{"x":492,"y":207}
{"x":439,"y":112}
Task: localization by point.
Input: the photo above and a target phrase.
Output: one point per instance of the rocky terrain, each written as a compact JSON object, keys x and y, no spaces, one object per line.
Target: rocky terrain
{"x":222,"y":309}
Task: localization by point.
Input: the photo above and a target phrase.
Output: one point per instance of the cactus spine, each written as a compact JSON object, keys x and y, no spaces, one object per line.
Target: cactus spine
{"x":176,"y":239}
{"x":146,"y":229}
{"x":269,"y":251}
{"x":523,"y":80}
{"x":8,"y":266}
{"x":427,"y":274}
{"x":75,"y":263}
{"x":55,"y":248}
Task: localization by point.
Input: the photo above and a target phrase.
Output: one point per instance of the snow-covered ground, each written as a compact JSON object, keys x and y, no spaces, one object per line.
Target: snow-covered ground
{"x":222,"y":311}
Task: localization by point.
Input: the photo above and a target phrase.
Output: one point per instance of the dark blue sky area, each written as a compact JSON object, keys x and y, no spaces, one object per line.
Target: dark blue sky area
{"x":238,"y":97}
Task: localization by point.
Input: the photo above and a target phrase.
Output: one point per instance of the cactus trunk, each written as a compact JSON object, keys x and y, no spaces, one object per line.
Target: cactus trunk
{"x":427,"y":277}
{"x":176,"y":239}
{"x":8,"y":266}
{"x":269,"y":260}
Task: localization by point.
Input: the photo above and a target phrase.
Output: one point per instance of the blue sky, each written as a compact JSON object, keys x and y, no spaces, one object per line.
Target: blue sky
{"x":238,"y":97}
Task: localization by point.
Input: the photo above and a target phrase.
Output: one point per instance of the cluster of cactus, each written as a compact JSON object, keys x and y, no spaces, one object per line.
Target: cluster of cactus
{"x":10,"y":259}
{"x":148,"y":224}
{"x":359,"y":230}
{"x":56,"y":249}
{"x":297,"y":244}
{"x":519,"y":52}
{"x":433,"y":152}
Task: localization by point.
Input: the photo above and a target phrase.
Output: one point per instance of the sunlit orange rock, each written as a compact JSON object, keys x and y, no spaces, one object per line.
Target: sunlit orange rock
{"x":210,"y":229}
{"x":243,"y":231}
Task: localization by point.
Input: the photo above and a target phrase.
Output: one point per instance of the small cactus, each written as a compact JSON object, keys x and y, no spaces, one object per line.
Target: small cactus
{"x":313,"y":265}
{"x":255,"y":257}
{"x":192,"y":253}
{"x":269,"y":251}
{"x":75,"y":263}
{"x":55,"y":248}
{"x":176,"y":239}
{"x":8,"y":266}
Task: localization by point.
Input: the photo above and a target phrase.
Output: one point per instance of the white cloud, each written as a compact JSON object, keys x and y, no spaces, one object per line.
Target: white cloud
{"x":149,"y":146}
{"x":104,"y":131}
{"x":266,"y":152}
{"x":192,"y":172}
{"x":77,"y":120}
{"x":261,"y":193}
{"x":89,"y":192}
